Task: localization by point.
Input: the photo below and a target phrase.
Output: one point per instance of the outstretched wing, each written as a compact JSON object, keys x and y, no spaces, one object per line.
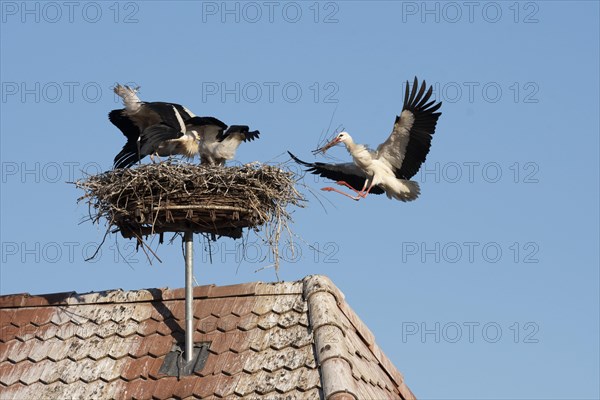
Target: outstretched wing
{"x":347,"y":172}
{"x":408,"y":145}
{"x":241,"y":131}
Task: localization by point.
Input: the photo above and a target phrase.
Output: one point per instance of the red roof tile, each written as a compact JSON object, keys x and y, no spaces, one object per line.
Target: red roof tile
{"x":139,"y":389}
{"x":269,"y":340}
{"x":166,"y":387}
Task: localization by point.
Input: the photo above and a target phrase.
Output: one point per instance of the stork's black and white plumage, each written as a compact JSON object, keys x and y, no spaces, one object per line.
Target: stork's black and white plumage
{"x":151,"y":128}
{"x":389,"y":168}
{"x":165,"y":129}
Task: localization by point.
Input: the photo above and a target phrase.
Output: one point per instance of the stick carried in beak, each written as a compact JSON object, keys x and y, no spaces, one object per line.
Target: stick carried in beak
{"x":327,"y":146}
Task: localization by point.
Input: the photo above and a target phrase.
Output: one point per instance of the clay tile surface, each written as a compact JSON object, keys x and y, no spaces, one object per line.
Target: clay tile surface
{"x":287,"y":340}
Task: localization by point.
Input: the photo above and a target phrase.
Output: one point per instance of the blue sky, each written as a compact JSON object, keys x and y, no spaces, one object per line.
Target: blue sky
{"x":486,"y":287}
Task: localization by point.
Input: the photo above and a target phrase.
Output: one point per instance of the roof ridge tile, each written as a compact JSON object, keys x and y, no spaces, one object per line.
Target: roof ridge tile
{"x":319,"y":291}
{"x":330,"y":352}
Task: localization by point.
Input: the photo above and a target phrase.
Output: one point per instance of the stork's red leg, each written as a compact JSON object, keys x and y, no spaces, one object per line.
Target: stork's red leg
{"x":343,"y":183}
{"x":330,"y":189}
{"x":364,"y":195}
{"x":360,"y":194}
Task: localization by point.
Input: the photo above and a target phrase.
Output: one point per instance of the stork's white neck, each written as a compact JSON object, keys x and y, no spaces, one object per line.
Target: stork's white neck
{"x":360,"y":154}
{"x":352,"y":147}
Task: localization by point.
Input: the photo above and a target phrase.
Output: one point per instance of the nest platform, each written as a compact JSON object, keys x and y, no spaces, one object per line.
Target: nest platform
{"x":181,"y":197}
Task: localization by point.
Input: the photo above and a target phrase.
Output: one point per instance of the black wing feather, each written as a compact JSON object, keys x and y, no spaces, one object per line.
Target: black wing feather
{"x":422,"y":130}
{"x":124,"y":123}
{"x":243,"y":129}
{"x":204,"y":121}
{"x":126,"y":158}
{"x":328,"y":171}
{"x":129,"y":154}
{"x":155,"y":135}
{"x":166,"y":112}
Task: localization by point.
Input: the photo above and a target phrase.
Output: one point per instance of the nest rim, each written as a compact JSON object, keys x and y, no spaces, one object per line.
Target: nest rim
{"x":189,"y":207}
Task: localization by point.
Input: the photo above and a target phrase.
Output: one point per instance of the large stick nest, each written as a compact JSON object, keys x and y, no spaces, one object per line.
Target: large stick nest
{"x":178,"y":197}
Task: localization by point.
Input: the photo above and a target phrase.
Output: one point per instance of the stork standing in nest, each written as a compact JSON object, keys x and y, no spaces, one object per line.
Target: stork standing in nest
{"x":166,"y":129}
{"x":217,"y":145}
{"x":389,"y":168}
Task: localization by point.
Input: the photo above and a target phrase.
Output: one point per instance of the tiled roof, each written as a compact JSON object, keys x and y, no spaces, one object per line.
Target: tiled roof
{"x":289,"y":340}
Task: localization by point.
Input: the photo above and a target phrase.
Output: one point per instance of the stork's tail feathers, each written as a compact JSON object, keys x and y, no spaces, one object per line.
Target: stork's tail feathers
{"x":129,"y":96}
{"x":405,"y":190}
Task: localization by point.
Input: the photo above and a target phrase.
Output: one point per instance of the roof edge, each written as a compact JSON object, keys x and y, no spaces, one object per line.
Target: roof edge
{"x":21,"y":300}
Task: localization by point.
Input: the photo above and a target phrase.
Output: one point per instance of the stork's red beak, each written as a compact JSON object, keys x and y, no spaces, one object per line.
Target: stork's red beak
{"x":327,"y":146}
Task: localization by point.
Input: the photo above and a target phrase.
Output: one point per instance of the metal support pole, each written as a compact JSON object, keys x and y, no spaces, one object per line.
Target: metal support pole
{"x":189,"y":295}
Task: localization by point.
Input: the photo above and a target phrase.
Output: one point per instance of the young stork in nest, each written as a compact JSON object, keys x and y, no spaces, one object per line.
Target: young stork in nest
{"x":389,"y":168}
{"x":166,"y":129}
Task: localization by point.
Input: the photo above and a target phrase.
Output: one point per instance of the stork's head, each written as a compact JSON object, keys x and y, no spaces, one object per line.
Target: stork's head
{"x":342,"y":137}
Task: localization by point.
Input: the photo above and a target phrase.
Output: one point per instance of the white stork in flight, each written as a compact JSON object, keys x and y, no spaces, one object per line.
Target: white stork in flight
{"x":389,"y":168}
{"x":165,"y":129}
